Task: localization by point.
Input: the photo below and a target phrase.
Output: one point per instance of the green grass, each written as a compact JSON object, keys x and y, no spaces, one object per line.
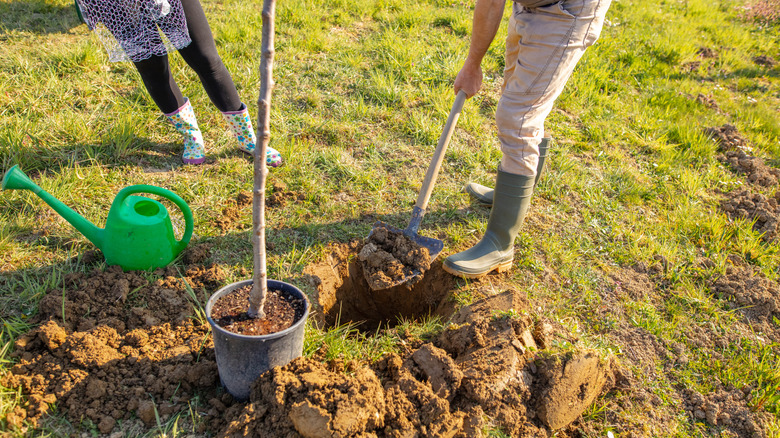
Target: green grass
{"x":362,"y":91}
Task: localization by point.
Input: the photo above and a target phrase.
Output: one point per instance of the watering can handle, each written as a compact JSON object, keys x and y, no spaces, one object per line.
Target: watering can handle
{"x":169,"y":195}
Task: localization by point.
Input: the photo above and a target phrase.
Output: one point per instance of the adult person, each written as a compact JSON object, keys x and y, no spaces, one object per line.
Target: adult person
{"x":144,"y":31}
{"x":545,"y":40}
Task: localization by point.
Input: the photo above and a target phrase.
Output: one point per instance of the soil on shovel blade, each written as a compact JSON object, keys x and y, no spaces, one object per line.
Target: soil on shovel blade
{"x":389,"y":257}
{"x":281,"y":312}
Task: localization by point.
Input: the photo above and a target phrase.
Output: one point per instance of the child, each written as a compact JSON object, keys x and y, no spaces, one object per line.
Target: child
{"x":130,"y":30}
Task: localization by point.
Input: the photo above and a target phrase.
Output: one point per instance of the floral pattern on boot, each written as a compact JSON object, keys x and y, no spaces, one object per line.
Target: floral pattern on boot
{"x":183,"y":119}
{"x":241,"y":125}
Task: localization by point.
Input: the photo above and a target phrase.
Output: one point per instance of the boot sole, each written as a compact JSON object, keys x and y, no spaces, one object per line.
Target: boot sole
{"x":193,"y":160}
{"x":503,"y":267}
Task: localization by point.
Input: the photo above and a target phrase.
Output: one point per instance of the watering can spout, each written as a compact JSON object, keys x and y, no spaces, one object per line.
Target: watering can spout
{"x":15,"y":179}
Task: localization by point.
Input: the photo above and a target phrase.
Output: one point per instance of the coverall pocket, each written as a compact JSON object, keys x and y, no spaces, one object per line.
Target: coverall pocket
{"x":541,"y":37}
{"x":548,"y":42}
{"x":590,"y":15}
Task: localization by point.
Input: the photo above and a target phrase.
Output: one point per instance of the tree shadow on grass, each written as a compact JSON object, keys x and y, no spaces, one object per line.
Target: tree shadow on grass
{"x":741,"y":73}
{"x":38,"y":16}
{"x":35,"y":159}
{"x":289,"y":242}
{"x":286,"y":245}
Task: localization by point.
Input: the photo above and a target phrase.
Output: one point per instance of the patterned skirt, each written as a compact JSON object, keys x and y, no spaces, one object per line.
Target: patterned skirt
{"x":136,"y":29}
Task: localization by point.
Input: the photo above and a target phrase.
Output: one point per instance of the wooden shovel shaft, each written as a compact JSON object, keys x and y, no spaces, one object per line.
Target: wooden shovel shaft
{"x":438,"y":157}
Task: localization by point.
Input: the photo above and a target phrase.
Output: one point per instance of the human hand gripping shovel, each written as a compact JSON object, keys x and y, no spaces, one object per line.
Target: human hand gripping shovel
{"x":434,"y":246}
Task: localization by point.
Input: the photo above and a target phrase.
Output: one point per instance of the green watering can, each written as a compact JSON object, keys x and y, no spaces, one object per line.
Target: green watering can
{"x":138,"y":233}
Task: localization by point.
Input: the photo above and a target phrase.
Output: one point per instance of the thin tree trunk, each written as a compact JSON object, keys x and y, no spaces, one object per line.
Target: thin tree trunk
{"x":260,"y":286}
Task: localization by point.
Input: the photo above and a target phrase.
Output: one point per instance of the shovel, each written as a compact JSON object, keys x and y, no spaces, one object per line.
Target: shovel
{"x":434,"y":246}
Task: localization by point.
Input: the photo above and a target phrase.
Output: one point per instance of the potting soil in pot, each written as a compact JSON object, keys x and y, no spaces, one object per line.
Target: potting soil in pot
{"x":388,"y":257}
{"x":281,"y":311}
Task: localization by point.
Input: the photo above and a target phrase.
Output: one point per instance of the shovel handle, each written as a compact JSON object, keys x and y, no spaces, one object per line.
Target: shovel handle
{"x":438,"y":157}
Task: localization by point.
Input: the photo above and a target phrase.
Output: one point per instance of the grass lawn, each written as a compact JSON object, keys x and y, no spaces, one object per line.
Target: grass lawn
{"x":650,"y":239}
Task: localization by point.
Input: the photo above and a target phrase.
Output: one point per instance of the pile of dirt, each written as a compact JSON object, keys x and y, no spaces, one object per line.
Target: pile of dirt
{"x":197,"y":254}
{"x":755,"y":296}
{"x":764,"y":210}
{"x":389,"y":256}
{"x":706,"y":53}
{"x":114,"y":348}
{"x":280,"y":195}
{"x":232,"y":212}
{"x":728,"y":409}
{"x":486,"y":362}
{"x":690,"y":67}
{"x":754,"y":168}
{"x":115,"y":351}
{"x":765,"y":60}
{"x":709,"y":102}
{"x":728,"y":138}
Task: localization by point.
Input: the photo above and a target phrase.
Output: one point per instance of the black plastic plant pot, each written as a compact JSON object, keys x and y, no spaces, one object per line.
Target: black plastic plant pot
{"x":241,"y":358}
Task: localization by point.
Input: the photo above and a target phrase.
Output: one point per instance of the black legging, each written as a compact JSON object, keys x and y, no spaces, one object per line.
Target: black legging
{"x":201,"y":55}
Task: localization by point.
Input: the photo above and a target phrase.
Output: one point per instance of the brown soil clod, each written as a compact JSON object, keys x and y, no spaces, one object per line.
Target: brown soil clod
{"x":728,"y":138}
{"x":728,"y":410}
{"x":764,"y":210}
{"x":197,"y":254}
{"x":244,"y":199}
{"x":765,"y":60}
{"x":280,"y":196}
{"x":754,"y":168}
{"x":755,"y":296}
{"x":709,"y":102}
{"x":232,"y":212}
{"x":571,"y":386}
{"x":390,"y":258}
{"x":706,"y":52}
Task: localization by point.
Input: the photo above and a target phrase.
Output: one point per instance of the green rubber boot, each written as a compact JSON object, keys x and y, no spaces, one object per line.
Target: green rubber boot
{"x":484,"y":194}
{"x":496,"y":249}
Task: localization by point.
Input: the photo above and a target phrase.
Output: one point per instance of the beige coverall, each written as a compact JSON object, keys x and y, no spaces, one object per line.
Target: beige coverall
{"x":543,"y":45}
